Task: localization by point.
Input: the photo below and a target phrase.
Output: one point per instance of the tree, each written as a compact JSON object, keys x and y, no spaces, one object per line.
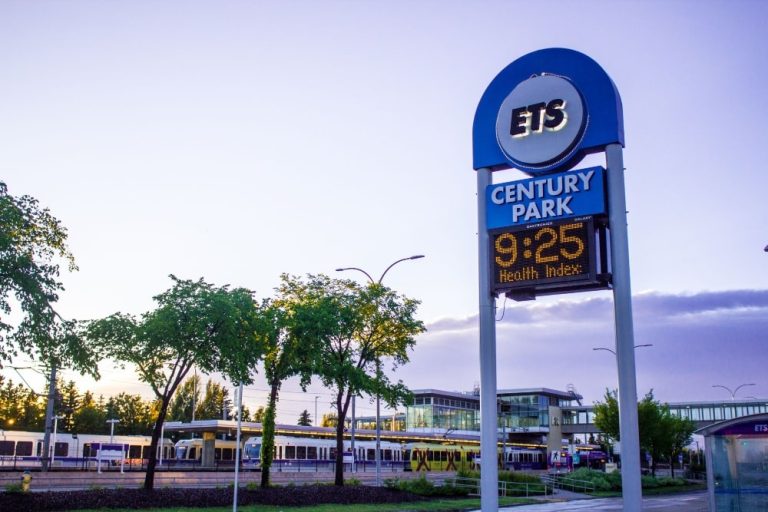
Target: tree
{"x":32,"y":240}
{"x":187,"y":398}
{"x":330,"y":419}
{"x":215,"y":403}
{"x":352,"y":328}
{"x":287,"y":353}
{"x":661,"y":433}
{"x":195,"y":323}
{"x":304,"y":419}
{"x":258,"y":416}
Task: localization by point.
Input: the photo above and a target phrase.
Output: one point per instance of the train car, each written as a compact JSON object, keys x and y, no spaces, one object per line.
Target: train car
{"x":440,"y":457}
{"x":296,"y":452}
{"x":593,"y":459}
{"x":518,"y":458}
{"x":191,"y":451}
{"x":21,"y":449}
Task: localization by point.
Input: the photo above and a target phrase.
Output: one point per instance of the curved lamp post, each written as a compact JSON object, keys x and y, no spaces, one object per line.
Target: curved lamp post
{"x":614,"y":352}
{"x":733,"y":392}
{"x":378,"y":399}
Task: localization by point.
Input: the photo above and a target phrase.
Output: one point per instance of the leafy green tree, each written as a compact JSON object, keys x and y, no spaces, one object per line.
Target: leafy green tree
{"x":258,"y":416}
{"x":216,"y":403}
{"x":195,"y":323}
{"x":304,"y":419}
{"x":330,"y":420}
{"x":134,"y":414}
{"x":352,"y":329}
{"x":661,"y":433}
{"x":32,"y":242}
{"x":187,"y":397}
{"x":287,"y":353}
{"x":91,"y":416}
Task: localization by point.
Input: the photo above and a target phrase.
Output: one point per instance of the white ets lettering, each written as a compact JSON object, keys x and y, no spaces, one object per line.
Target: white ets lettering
{"x":543,"y":198}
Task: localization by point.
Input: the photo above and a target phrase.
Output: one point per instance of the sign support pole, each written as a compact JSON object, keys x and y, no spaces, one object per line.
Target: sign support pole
{"x":625,"y":343}
{"x":489,"y":474}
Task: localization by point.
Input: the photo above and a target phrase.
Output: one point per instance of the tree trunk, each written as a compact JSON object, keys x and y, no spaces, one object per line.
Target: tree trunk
{"x":672,"y":464}
{"x":268,"y":436}
{"x":339,"y":479}
{"x":149,"y":479}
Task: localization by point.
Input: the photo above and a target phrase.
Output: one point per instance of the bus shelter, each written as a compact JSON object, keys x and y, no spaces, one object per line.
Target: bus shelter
{"x":737,"y":463}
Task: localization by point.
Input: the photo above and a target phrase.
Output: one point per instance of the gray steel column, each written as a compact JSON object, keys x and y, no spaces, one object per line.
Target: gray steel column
{"x":49,"y":419}
{"x":489,"y":476}
{"x":625,"y":339}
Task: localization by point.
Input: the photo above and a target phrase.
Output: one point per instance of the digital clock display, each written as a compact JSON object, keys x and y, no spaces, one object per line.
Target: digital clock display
{"x":544,"y":257}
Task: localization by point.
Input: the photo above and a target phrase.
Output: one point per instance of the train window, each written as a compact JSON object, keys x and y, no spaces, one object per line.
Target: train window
{"x":429,"y":455}
{"x":371,"y":454}
{"x":301,"y":452}
{"x":279,"y":452}
{"x":217,"y":453}
{"x":61,"y":449}
{"x":443,"y":456}
{"x":24,"y":448}
{"x":226,"y":454}
{"x":134,"y":451}
{"x":6,"y":447}
{"x":312,"y":452}
{"x":387,"y":454}
{"x":457,"y":456}
{"x":333,"y":453}
{"x":407,"y":455}
{"x":193,"y":452}
{"x":290,"y":452}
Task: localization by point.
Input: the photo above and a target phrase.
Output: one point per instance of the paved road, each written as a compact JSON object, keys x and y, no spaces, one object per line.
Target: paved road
{"x":688,"y":502}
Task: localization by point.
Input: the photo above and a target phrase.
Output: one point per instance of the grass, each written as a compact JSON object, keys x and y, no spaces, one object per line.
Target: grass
{"x":452,"y":505}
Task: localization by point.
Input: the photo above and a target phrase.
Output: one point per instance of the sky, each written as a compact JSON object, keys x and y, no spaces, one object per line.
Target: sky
{"x":237,"y":140}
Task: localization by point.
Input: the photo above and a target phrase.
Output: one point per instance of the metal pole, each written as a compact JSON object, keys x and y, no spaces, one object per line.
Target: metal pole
{"x":489,"y":474}
{"x":352,"y":435}
{"x":237,"y":448}
{"x":317,"y":423}
{"x":49,"y":418}
{"x":378,"y":428}
{"x":162,"y":446}
{"x":55,"y":427}
{"x":625,"y":352}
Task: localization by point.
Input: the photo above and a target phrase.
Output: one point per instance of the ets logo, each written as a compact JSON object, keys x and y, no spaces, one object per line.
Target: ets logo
{"x":535,"y":118}
{"x":540,"y":123}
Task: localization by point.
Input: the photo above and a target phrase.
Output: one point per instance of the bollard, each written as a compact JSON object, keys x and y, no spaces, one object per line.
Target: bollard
{"x":26,"y":479}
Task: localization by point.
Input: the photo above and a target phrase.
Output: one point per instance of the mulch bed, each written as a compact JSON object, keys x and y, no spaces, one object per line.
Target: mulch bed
{"x":139,"y":498}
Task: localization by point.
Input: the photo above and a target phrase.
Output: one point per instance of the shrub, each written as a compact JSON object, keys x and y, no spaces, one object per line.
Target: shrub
{"x":423,"y":487}
{"x":13,"y":488}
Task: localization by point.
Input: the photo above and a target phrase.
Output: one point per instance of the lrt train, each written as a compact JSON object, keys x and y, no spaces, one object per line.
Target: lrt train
{"x":20,"y":449}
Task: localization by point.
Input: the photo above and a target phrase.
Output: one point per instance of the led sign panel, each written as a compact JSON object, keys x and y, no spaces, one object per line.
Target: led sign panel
{"x":547,"y":257}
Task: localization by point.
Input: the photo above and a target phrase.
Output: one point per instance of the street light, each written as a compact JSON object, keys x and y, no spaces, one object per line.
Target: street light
{"x":733,"y":393}
{"x":378,"y":398}
{"x":55,"y":427}
{"x":614,"y":352}
{"x":112,"y":428}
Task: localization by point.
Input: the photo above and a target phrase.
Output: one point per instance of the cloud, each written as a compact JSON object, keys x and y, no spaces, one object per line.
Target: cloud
{"x":699,"y":340}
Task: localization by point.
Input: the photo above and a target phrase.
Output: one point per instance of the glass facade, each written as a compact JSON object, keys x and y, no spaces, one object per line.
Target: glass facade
{"x":522,"y":412}
{"x":443,"y":413}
